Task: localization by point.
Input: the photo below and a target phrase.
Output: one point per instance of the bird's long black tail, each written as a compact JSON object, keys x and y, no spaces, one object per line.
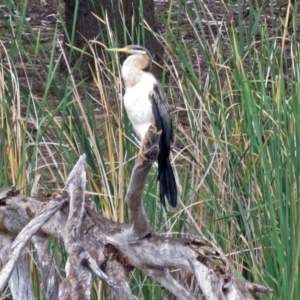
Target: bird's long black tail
{"x":167,"y":182}
{"x":163,"y":122}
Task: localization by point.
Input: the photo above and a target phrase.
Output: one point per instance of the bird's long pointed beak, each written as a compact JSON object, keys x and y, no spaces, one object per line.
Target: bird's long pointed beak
{"x":125,"y":49}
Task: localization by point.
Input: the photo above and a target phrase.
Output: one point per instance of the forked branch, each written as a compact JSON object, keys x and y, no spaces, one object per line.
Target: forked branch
{"x":109,"y":250}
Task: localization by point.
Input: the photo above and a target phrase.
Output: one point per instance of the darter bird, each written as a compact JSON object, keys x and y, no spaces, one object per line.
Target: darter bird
{"x":146,"y":105}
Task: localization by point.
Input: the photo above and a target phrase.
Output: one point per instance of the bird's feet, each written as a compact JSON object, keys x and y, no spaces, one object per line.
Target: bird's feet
{"x":141,"y":156}
{"x":149,"y":148}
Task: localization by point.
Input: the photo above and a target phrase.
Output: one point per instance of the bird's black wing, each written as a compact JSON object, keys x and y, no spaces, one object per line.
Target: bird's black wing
{"x":161,"y":111}
{"x":163,"y":122}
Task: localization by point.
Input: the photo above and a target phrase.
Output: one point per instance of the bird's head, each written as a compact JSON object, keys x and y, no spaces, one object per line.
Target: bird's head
{"x":139,"y":58}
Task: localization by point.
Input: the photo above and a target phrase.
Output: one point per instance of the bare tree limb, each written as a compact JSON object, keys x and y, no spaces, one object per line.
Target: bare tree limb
{"x":80,"y":265}
{"x":110,"y":250}
{"x":119,"y":272}
{"x":212,"y":284}
{"x":140,"y":223}
{"x":166,"y":280}
{"x":49,"y":272}
{"x":24,"y":236}
{"x":19,"y":282}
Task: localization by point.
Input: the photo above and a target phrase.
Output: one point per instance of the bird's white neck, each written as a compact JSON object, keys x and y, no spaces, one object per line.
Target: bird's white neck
{"x":133,"y":69}
{"x":131,"y":76}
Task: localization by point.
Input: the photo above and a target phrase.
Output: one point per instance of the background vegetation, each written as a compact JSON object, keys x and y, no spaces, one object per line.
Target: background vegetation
{"x":232,"y":76}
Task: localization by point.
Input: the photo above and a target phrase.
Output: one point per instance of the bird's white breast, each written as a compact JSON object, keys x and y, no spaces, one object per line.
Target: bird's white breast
{"x":138,"y":105}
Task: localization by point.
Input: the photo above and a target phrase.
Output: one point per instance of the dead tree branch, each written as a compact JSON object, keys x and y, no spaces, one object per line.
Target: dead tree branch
{"x":99,"y":247}
{"x":24,"y":236}
{"x":46,"y":264}
{"x":80,"y":265}
{"x":140,"y":223}
{"x":18,"y":282}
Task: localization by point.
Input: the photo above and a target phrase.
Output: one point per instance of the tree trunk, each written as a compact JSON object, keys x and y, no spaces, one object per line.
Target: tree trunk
{"x":115,"y":14}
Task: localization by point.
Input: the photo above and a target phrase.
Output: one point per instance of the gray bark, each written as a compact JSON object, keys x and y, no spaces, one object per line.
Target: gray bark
{"x":18,"y":282}
{"x":99,"y":247}
{"x":48,"y":270}
{"x":25,"y":235}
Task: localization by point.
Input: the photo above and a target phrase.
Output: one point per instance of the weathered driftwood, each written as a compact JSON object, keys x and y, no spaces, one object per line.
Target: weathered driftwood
{"x":99,"y":247}
{"x":19,"y":282}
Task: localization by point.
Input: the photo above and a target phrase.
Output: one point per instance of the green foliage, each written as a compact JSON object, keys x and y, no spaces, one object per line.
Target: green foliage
{"x":233,"y":83}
